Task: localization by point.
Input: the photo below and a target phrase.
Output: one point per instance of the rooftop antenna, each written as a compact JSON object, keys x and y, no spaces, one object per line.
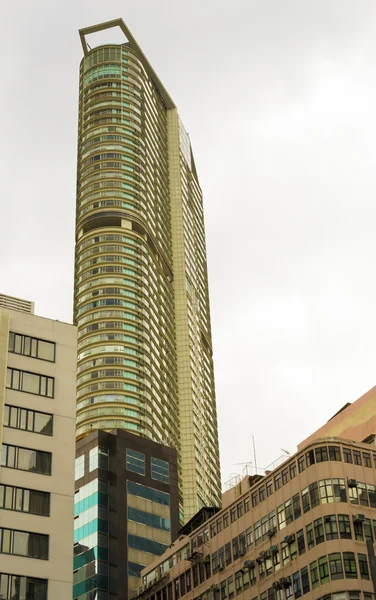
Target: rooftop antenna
{"x":285,"y":451}
{"x":254,"y":452}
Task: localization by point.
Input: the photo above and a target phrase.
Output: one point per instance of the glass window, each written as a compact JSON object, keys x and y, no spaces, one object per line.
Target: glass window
{"x":331,"y":529}
{"x":24,"y":344}
{"x":344,"y":526}
{"x":24,"y":500}
{"x":314,"y":494}
{"x":148,"y":519}
{"x":321,"y":454}
{"x":334,"y":453}
{"x":301,"y":542}
{"x":233,"y":514}
{"x":98,"y":459}
{"x":350,"y":565}
{"x":269,"y":487}
{"x":347,"y":456}
{"x":305,"y":500}
{"x":314,"y":574}
{"x":335,"y":565}
{"x":296,"y":506}
{"x":363,"y":566}
{"x":26,"y":459}
{"x":310,"y":458}
{"x":277,"y":481}
{"x":367,"y":459}
{"x":323,"y":569}
{"x":246,"y":504}
{"x":148,"y":493}
{"x":319,"y":531}
{"x":135,"y":461}
{"x":285,"y":476}
{"x":28,"y":420}
{"x":310,"y":537}
{"x":305,"y":580}
{"x":160,"y":470}
{"x":23,"y":543}
{"x":32,"y":383}
{"x":293,"y":470}
{"x":357,"y":457}
{"x":296,"y":584}
{"x":19,"y":587}
{"x":146,"y":545}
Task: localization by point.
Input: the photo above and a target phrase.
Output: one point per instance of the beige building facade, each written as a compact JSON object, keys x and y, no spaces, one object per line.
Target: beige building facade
{"x":141,"y":289}
{"x":301,"y":530}
{"x":37,"y":436}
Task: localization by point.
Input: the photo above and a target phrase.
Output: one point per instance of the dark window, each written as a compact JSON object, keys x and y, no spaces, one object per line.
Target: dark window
{"x":269,"y":488}
{"x":305,"y":500}
{"x":301,"y":542}
{"x":363,"y":566}
{"x":334,"y":453}
{"x":367,"y":459}
{"x":357,"y":457}
{"x":228,"y":553}
{"x":367,"y":529}
{"x":293,"y":470}
{"x":26,"y":459}
{"x":29,"y":346}
{"x":239,"y":509}
{"x":254,"y":499}
{"x":362,"y":494}
{"x":339,"y":489}
{"x":277,"y":481}
{"x":31,"y":383}
{"x":331,"y":528}
{"x":314,"y":494}
{"x":262,"y":493}
{"x":344,"y":526}
{"x":285,"y":476}
{"x":296,"y":584}
{"x":235,"y":548}
{"x":305,"y":580}
{"x":347,"y":456}
{"x":249,"y":537}
{"x":233,"y":514}
{"x":321,"y":454}
{"x":310,"y":538}
{"x":213,"y":530}
{"x":310,"y":458}
{"x":135,"y":461}
{"x":358,"y":531}
{"x":301,"y":464}
{"x":25,"y":500}
{"x":225,"y":520}
{"x":350,"y":565}
{"x":145,"y":545}
{"x":19,"y":587}
{"x":219,"y":525}
{"x":27,"y":420}
{"x":289,"y":512}
{"x":223,"y":590}
{"x":372,"y":495}
{"x":24,"y":543}
{"x":246,"y":504}
{"x":319,"y":531}
{"x":148,"y":493}
{"x":335,"y":565}
{"x":296,"y":506}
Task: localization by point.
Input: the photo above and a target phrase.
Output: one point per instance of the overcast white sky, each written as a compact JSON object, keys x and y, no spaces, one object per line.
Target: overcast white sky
{"x":279,"y":99}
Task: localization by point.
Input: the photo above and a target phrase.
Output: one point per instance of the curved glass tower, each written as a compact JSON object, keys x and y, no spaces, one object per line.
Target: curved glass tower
{"x":141,"y":294}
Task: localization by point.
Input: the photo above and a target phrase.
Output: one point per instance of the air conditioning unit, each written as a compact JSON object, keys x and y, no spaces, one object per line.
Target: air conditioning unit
{"x":285,"y":581}
{"x":248,"y":564}
{"x":359,"y":518}
{"x":271,"y":531}
{"x":221,"y":567}
{"x":207,"y":558}
{"x":214,"y":587}
{"x":242,"y":552}
{"x":273,"y":549}
{"x":351,"y":483}
{"x":266,"y":553}
{"x":288,"y":539}
{"x":259,"y":559}
{"x":276,"y":585}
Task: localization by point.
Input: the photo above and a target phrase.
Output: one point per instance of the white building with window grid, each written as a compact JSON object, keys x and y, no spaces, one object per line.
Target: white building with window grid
{"x":37,"y":437}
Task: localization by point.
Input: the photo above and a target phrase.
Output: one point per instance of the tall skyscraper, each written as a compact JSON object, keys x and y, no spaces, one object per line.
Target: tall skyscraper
{"x":141,"y":293}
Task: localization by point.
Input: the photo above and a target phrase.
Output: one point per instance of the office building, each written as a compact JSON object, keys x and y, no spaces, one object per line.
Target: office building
{"x":126,"y":511}
{"x":37,"y":437}
{"x":141,"y":290}
{"x":300,"y":530}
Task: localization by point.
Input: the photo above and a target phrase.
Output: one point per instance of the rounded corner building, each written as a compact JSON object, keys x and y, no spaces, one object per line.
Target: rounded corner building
{"x":141,"y":299}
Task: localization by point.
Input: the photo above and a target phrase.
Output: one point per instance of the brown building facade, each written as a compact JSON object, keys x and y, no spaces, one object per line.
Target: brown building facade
{"x":299,"y":531}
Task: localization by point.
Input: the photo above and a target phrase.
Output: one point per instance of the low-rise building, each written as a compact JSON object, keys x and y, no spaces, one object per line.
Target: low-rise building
{"x":300,"y":530}
{"x":126,"y":511}
{"x":37,"y":438}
